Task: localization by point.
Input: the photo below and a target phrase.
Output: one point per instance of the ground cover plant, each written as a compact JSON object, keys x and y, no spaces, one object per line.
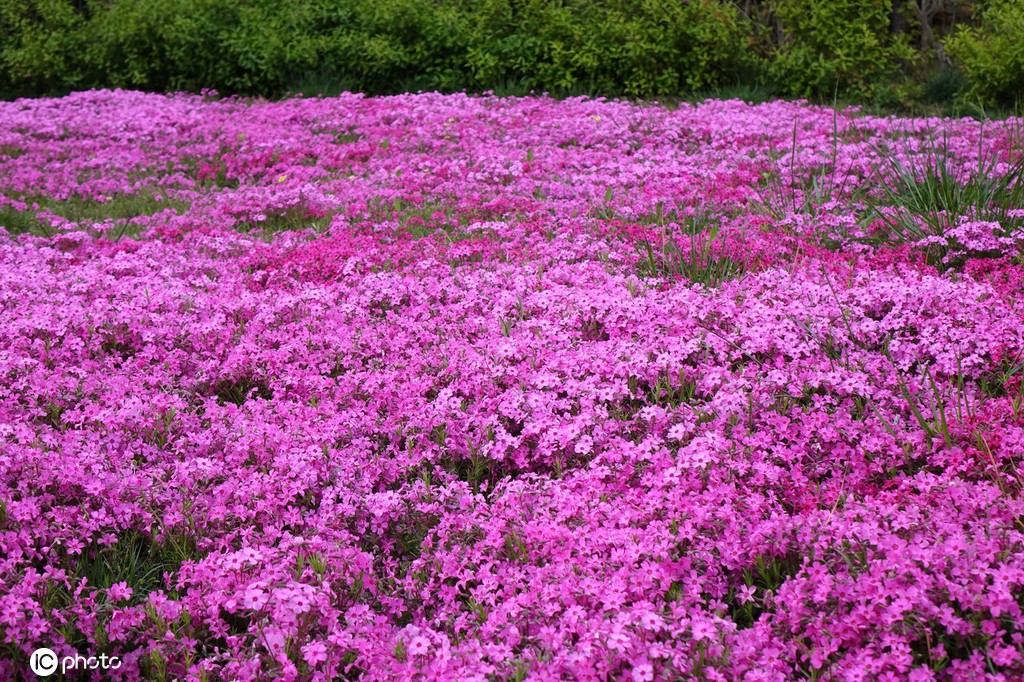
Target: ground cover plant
{"x":449,"y":387}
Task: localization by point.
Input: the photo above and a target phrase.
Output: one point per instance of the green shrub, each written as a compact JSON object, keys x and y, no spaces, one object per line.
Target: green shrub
{"x":268,"y":47}
{"x":992,"y":53}
{"x":41,"y":45}
{"x":333,"y":45}
{"x":535,"y":44}
{"x":842,"y":46}
{"x":637,"y":48}
{"x":943,"y":86}
{"x":673,"y":47}
{"x":634,"y":48}
{"x":385,"y":46}
{"x":267,"y":43}
{"x":160,"y":44}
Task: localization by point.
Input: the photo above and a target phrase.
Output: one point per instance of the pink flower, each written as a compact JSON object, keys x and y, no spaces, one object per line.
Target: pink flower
{"x":702,"y":629}
{"x":419,"y":645}
{"x":643,"y":673}
{"x":119,"y":592}
{"x":314,"y":653}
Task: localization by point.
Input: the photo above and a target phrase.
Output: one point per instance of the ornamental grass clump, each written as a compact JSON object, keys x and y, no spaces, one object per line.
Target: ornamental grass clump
{"x":695,"y":250}
{"x":950,"y":208}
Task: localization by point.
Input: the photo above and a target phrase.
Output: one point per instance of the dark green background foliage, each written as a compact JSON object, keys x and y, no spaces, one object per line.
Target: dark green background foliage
{"x":992,"y":52}
{"x":838,"y":42}
{"x":878,"y":50}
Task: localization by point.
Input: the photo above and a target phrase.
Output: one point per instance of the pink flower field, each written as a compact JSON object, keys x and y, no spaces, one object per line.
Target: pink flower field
{"x":466,"y":388}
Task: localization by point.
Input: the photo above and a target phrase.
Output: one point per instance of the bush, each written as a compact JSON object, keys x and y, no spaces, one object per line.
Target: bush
{"x":633,"y":47}
{"x":842,"y":46}
{"x":992,"y":53}
{"x":943,"y":86}
{"x":672,"y":47}
{"x":641,"y":49}
{"x":398,"y":45}
{"x":41,"y":45}
{"x":160,"y":44}
{"x":538,"y":45}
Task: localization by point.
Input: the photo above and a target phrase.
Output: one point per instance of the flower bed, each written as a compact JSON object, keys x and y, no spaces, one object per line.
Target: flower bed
{"x":442,"y":387}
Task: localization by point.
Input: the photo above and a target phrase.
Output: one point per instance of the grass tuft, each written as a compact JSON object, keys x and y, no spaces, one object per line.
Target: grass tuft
{"x":926,"y":195}
{"x":701,"y":258}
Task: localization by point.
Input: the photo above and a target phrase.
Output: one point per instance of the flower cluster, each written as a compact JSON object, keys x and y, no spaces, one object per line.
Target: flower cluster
{"x":454,"y":388}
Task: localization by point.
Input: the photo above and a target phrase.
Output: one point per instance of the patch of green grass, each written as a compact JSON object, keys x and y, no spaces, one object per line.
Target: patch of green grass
{"x":699,"y":264}
{"x":119,"y":208}
{"x":11,"y":151}
{"x":116,"y":207}
{"x":204,"y":175}
{"x":766,"y":575}
{"x":520,"y":670}
{"x":515,"y":548}
{"x":22,"y":222}
{"x":672,"y":394}
{"x":1005,"y":380}
{"x":413,"y":217}
{"x":423,"y":219}
{"x":476,"y":470}
{"x":657,"y":216}
{"x":809,"y":188}
{"x":410,"y":534}
{"x":238,"y":391}
{"x":136,"y":559}
{"x":297,"y":217}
